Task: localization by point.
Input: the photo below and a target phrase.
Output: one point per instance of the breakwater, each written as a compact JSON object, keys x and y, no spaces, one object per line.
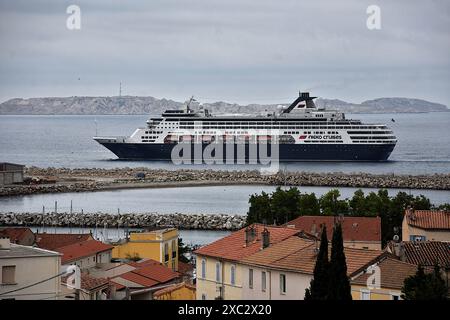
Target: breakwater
{"x":83,"y":180}
{"x":130,"y":220}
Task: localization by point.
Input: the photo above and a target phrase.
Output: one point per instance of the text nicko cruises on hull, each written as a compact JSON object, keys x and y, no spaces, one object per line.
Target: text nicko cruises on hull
{"x":302,"y":132}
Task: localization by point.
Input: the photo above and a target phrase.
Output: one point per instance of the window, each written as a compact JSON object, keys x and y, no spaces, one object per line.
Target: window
{"x":166,"y":252}
{"x":174,"y":249}
{"x":203,"y":268}
{"x":263,"y":281}
{"x":395,"y":296}
{"x":218,"y":269}
{"x":8,"y":274}
{"x":250,"y":278}
{"x":203,"y":296}
{"x":233,"y":275}
{"x":282,"y":283}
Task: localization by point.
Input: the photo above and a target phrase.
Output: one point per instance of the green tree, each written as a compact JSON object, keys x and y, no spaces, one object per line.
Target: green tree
{"x":339,"y":284}
{"x":331,"y":205}
{"x":422,"y":286}
{"x":259,"y":209}
{"x":357,"y":204}
{"x":308,"y":204}
{"x":318,"y":289}
{"x":284,"y":204}
{"x":182,"y":251}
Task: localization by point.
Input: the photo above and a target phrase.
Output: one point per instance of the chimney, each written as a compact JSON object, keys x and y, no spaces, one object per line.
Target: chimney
{"x":265,"y":238}
{"x":5,"y":244}
{"x":249,"y":234}
{"x":304,"y":94}
{"x":399,"y":250}
{"x":410,"y":213}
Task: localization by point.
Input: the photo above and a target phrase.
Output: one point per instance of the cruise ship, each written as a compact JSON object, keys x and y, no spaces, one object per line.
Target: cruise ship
{"x":301,"y":132}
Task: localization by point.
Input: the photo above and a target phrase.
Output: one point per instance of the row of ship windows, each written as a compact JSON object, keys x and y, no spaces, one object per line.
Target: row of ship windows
{"x":279,"y":127}
{"x":324,"y":141}
{"x":149,"y":137}
{"x":372,"y":138}
{"x":155,"y":132}
{"x":369,"y":132}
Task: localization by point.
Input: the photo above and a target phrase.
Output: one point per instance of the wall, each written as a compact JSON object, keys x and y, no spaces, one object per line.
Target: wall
{"x":296,"y":284}
{"x":151,"y":246}
{"x":182,"y":293}
{"x":209,"y":286}
{"x":434,"y":235}
{"x":92,"y":260}
{"x":30,"y":270}
{"x":375,"y":294}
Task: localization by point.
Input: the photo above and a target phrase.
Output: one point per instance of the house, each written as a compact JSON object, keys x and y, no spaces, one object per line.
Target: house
{"x":86,"y":254}
{"x":160,"y":245}
{"x":146,"y":277}
{"x":358,"y":232}
{"x":18,"y":235}
{"x":52,"y":241}
{"x":424,"y":253}
{"x":22,"y":266}
{"x":10,"y":173}
{"x":426,"y":225}
{"x":392,"y":274}
{"x":283,"y":271}
{"x":91,"y":288}
{"x":218,"y":268}
{"x":179,"y":291}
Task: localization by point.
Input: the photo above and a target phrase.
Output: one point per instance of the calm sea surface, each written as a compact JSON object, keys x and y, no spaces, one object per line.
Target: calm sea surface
{"x":66,"y":141}
{"x":214,"y":199}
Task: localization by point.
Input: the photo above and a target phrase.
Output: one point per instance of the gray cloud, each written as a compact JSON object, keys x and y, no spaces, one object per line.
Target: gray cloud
{"x":235,"y":50}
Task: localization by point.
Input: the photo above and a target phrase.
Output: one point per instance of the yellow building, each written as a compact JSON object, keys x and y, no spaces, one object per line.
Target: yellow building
{"x":179,"y":291}
{"x":160,"y":245}
{"x":383,"y":282}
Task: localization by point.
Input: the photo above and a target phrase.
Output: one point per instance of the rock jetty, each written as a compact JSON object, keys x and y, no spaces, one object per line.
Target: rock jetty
{"x":95,"y":179}
{"x":126,"y":220}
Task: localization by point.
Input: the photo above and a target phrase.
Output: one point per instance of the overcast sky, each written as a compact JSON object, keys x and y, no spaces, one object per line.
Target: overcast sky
{"x":241,"y":51}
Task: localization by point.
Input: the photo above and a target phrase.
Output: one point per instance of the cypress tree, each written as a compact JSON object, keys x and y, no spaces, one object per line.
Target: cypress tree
{"x":319,"y":284}
{"x":339,"y":284}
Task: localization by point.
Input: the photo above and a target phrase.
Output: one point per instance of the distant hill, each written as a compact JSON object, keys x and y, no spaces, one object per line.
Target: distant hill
{"x":151,"y":105}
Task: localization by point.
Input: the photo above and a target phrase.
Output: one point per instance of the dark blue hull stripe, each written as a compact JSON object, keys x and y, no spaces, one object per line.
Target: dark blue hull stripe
{"x":287,"y":152}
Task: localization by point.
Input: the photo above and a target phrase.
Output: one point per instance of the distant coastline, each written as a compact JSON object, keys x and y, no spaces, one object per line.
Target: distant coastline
{"x":134,"y":105}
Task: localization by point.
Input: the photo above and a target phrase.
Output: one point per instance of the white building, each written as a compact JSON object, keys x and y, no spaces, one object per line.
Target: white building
{"x":28,"y":273}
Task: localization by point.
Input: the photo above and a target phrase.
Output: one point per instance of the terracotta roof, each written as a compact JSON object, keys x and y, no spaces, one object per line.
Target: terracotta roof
{"x":299,"y":255}
{"x":138,"y":279}
{"x":428,"y":219}
{"x":173,"y":288}
{"x":233,"y":246}
{"x":185,"y":268}
{"x":353,"y":228}
{"x":52,"y":241}
{"x":117,"y":285}
{"x":393,"y":273}
{"x":15,"y":235}
{"x":82,"y":249}
{"x":89,"y":283}
{"x":426,"y":253}
{"x":148,"y":273}
{"x":143,"y":263}
{"x":157,"y":272}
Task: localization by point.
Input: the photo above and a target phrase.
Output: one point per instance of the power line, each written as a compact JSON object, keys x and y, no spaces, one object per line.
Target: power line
{"x":34,"y":284}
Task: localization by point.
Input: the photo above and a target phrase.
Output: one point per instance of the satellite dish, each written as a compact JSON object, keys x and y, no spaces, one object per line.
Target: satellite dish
{"x":396,"y":238}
